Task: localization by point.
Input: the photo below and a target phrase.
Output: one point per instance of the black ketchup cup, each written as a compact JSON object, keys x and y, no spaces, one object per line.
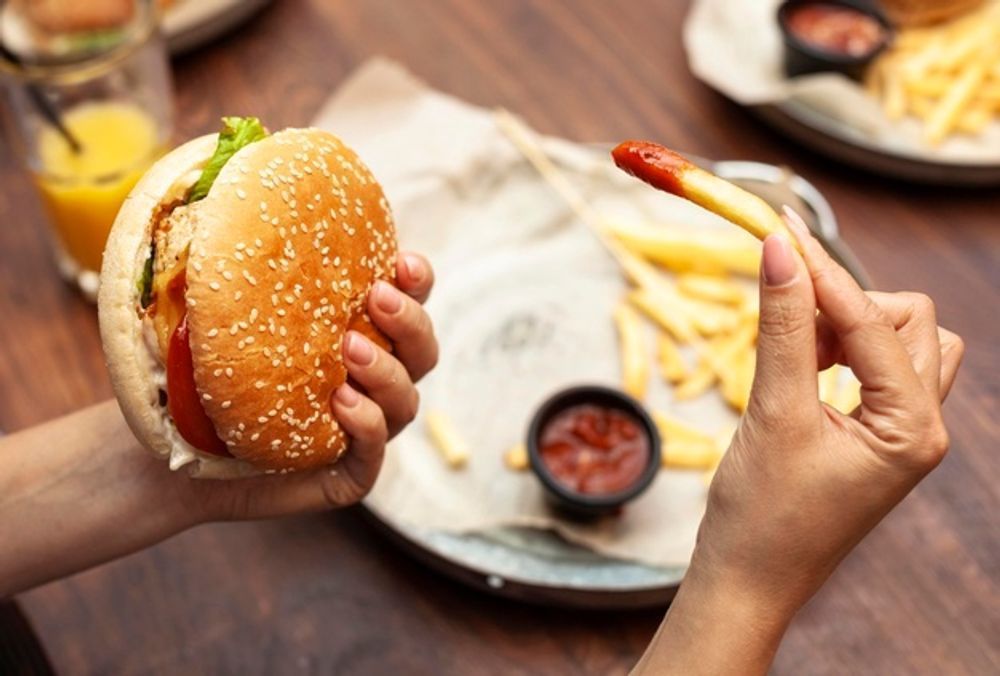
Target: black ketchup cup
{"x":564,"y":497}
{"x":802,"y":57}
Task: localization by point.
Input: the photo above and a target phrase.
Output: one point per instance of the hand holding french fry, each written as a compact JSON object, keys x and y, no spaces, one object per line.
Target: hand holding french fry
{"x":794,"y":461}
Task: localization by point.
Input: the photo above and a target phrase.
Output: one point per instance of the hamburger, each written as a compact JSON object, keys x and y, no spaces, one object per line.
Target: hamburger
{"x":231,"y":275}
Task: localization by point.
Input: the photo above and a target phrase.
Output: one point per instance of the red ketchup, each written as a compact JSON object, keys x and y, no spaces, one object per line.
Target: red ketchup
{"x":836,"y":28}
{"x":594,"y":450}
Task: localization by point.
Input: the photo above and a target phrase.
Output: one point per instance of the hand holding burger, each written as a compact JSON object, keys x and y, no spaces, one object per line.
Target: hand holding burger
{"x":235,"y":298}
{"x":77,"y":491}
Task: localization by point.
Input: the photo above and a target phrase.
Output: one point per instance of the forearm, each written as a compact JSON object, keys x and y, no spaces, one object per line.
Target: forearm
{"x":715,"y":628}
{"x":78,"y":491}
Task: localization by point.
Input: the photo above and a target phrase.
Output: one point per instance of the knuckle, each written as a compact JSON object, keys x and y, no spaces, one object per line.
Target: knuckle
{"x":935,"y":448}
{"x":412,"y":406}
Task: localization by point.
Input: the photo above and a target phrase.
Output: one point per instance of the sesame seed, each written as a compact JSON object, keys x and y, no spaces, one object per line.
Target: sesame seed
{"x":227,"y":404}
{"x":247,"y":276}
{"x":214,"y":286}
{"x":241,"y":193}
{"x":227,"y":275}
{"x":206,"y":397}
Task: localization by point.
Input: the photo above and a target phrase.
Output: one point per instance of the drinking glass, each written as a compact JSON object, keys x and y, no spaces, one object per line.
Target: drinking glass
{"x":91,"y":105}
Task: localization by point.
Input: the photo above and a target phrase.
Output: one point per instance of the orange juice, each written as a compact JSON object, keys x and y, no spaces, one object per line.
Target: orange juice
{"x":83,"y":191}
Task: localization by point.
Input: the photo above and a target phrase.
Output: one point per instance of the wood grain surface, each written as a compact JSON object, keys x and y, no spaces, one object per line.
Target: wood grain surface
{"x":327,"y":594}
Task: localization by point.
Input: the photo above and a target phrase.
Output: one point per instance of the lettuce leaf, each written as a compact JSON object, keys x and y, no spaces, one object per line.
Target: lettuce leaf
{"x":145,"y":283}
{"x":236,"y":133}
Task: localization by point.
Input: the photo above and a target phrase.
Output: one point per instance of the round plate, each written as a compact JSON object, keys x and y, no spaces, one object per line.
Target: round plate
{"x":540,"y":567}
{"x":837,"y":140}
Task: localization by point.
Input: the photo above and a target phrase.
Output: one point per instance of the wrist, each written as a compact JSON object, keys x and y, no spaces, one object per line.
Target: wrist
{"x":759,"y":610}
{"x":717,"y":625}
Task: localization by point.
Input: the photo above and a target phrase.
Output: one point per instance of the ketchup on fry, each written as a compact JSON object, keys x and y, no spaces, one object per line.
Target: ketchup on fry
{"x":594,"y":450}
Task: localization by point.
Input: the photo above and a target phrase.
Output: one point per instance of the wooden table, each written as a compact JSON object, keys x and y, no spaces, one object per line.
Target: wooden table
{"x":327,"y":593}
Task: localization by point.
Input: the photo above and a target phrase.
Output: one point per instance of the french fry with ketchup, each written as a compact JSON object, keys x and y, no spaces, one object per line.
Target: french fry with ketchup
{"x":666,"y":170}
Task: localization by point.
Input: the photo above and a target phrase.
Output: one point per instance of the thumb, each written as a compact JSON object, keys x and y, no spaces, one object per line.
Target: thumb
{"x":785,"y":377}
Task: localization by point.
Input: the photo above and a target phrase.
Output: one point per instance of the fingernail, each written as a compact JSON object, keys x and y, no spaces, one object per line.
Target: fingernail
{"x":795,"y":222}
{"x":387,"y":298}
{"x":778,"y":263}
{"x":414,"y":267}
{"x":359,"y":349}
{"x":347,"y":396}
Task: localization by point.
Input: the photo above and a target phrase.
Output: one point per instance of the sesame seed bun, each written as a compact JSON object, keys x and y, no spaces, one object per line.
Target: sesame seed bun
{"x":286,"y":247}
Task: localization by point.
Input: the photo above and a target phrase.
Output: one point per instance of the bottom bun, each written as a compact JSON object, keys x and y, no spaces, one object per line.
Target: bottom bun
{"x":136,"y":375}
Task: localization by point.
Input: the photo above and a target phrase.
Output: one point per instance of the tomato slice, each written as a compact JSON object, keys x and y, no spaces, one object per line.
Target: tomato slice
{"x":183,"y":401}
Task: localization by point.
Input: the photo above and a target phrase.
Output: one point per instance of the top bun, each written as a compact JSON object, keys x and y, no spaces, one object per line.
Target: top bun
{"x":288,"y":243}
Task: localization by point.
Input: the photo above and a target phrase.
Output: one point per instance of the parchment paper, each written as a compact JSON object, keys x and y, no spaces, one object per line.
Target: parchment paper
{"x":522,"y":307}
{"x":735,"y":47}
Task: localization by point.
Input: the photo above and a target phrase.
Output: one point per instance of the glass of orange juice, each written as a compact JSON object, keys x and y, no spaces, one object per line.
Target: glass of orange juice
{"x":91,"y":100}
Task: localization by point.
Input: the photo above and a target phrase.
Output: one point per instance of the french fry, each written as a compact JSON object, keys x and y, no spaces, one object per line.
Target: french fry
{"x":666,"y":170}
{"x":516,"y":457}
{"x":635,"y":365}
{"x":717,"y":360}
{"x":664,"y":309}
{"x":685,"y":454}
{"x":704,"y":252}
{"x":829,"y":381}
{"x":672,"y":427}
{"x":947,"y":111}
{"x":947,"y":75}
{"x":713,"y":289}
{"x":697,"y":383}
{"x":847,"y":396}
{"x":446,"y":439}
{"x":735,"y":385}
{"x":685,"y":447}
{"x":894,"y":100}
{"x":672,"y":366}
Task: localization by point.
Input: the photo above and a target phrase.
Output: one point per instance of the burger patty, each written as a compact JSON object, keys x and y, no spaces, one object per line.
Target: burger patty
{"x":172,"y":234}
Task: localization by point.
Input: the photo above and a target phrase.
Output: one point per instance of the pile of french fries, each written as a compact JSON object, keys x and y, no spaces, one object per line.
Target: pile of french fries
{"x":947,"y":75}
{"x":687,"y":287}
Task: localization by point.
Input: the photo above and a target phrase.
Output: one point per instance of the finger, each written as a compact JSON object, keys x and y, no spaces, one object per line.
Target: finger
{"x":952,"y":350}
{"x":343,"y":484}
{"x":362,"y":420}
{"x":912,"y":316}
{"x":868,"y":339}
{"x":786,"y":344}
{"x":384,"y":380}
{"x":407,"y":325}
{"x":414,"y":276}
